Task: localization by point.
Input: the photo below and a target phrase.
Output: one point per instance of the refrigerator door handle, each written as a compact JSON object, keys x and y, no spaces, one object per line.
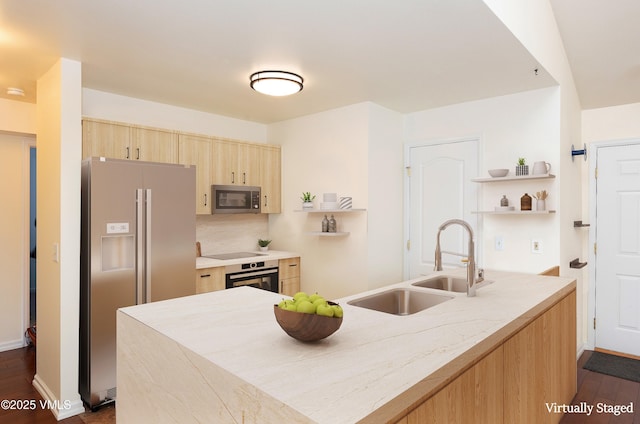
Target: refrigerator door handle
{"x":147,"y":247}
{"x":140,"y":244}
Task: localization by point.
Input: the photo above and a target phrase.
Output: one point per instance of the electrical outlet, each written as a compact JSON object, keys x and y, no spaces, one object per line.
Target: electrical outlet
{"x":499,"y":243}
{"x":536,"y":246}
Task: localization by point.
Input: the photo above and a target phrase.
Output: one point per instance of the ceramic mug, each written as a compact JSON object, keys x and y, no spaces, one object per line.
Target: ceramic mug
{"x":541,"y":167}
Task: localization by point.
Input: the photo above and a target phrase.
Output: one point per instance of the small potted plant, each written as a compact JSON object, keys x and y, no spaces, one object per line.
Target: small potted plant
{"x":264,"y":244}
{"x":521,"y":168}
{"x":307,"y":200}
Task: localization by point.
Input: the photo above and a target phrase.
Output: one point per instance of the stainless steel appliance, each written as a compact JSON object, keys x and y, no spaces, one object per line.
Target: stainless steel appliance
{"x":137,"y":238}
{"x":259,"y":274}
{"x":235,"y":199}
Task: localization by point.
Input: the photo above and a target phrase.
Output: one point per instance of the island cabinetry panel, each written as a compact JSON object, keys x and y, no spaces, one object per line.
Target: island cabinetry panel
{"x":120,"y":141}
{"x":210,"y":279}
{"x":516,"y":381}
{"x":473,"y":397}
{"x":540,"y":365}
{"x":289,"y":275}
{"x":195,"y":150}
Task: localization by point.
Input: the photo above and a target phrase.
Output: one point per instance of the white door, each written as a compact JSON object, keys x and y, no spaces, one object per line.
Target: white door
{"x":440,"y":188}
{"x":617,"y":281}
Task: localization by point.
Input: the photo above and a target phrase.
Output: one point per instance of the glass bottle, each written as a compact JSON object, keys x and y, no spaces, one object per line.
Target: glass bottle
{"x":332,"y":225}
{"x":325,"y":224}
{"x":504,"y":202}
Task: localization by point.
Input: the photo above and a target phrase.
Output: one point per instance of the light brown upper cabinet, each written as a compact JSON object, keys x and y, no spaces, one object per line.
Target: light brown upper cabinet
{"x":114,"y":140}
{"x":235,"y":163}
{"x":195,"y":150}
{"x":270,"y":172}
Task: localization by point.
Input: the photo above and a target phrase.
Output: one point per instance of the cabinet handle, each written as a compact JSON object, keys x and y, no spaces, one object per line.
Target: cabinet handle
{"x":233,"y":177}
{"x":205,"y":275}
{"x":127,"y":155}
{"x":265,"y":200}
{"x":137,"y":153}
{"x":244,"y":178}
{"x":293,"y":264}
{"x":205,"y":199}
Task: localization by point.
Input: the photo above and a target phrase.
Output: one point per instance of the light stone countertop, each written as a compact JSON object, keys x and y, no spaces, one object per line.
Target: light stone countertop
{"x":374,"y":367}
{"x":202,"y":262}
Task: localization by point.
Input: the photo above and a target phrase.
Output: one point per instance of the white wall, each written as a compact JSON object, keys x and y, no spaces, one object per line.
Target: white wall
{"x":519,"y":125}
{"x":17,"y":117}
{"x":58,"y":201}
{"x":14,"y":246}
{"x":331,"y":152}
{"x":113,"y":107}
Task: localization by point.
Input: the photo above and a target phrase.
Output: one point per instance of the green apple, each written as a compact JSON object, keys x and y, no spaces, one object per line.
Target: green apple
{"x":314,"y":297}
{"x":305,"y":307}
{"x":300,"y":295}
{"x":337,"y":311}
{"x":318,"y":301}
{"x":281,"y":304}
{"x":290,"y":305}
{"x":325,"y":310}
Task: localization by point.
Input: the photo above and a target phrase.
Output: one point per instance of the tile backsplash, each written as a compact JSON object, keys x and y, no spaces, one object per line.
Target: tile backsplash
{"x":231,"y":233}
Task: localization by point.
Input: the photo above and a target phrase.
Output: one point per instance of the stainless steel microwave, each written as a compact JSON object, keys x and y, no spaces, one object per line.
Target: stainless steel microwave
{"x":235,"y":199}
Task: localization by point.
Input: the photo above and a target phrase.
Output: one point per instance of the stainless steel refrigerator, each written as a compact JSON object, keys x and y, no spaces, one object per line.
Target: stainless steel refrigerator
{"x":137,"y":246}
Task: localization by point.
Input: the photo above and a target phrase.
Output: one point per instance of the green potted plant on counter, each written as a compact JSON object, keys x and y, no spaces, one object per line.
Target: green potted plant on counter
{"x":307,"y":200}
{"x":264,"y":244}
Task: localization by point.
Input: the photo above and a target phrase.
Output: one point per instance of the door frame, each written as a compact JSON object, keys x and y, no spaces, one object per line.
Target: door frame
{"x":407,"y":198}
{"x":593,"y":197}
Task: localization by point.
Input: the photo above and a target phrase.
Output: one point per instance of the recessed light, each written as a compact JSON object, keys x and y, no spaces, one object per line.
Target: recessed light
{"x":13,"y":91}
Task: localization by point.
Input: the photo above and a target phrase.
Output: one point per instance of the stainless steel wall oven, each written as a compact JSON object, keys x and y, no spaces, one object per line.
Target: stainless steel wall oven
{"x":260,"y":274}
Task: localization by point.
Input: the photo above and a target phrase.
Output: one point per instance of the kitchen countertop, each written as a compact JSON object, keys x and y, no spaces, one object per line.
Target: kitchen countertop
{"x":202,"y":262}
{"x":375,"y":365}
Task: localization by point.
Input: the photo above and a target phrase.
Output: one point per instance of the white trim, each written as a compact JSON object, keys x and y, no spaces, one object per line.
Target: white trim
{"x":13,"y":344}
{"x":65,"y":408}
{"x":591,"y":299}
{"x":407,"y":201}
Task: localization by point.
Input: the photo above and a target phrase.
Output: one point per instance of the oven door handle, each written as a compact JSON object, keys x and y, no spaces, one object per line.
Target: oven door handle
{"x":260,"y":273}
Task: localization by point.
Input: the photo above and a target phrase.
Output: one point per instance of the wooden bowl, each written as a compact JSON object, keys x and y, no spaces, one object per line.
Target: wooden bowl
{"x":306,"y":327}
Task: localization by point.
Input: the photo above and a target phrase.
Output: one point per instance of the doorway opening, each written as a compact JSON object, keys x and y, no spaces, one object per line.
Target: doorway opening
{"x":32,"y":237}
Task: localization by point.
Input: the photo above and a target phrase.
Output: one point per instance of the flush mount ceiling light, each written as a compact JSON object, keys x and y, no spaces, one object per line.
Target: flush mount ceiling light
{"x":13,"y":91}
{"x":276,"y":83}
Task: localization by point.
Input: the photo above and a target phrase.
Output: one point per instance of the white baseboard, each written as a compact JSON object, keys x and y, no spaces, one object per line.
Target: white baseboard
{"x":13,"y":344}
{"x":60,"y":409}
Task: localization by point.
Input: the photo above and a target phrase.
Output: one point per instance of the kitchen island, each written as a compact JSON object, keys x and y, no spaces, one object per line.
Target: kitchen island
{"x":221,"y":357}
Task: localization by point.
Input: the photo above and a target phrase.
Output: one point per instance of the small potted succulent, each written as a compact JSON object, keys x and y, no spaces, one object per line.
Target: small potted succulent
{"x":521,"y":168}
{"x":264,"y":244}
{"x":307,"y":200}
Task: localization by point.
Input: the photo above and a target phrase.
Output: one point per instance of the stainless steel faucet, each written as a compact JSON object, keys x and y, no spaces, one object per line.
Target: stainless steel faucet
{"x":471,"y":262}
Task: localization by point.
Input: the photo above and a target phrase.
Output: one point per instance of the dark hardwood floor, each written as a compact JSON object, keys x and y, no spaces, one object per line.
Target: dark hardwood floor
{"x":595,"y":388}
{"x":17,"y":368}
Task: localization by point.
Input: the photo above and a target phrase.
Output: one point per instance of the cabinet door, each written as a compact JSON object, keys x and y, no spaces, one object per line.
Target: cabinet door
{"x":105,"y":139}
{"x":270,"y":181}
{"x":210,"y":279}
{"x":224,"y":160}
{"x":249,"y":164}
{"x":473,"y":397}
{"x":196,"y":151}
{"x":154,"y":145}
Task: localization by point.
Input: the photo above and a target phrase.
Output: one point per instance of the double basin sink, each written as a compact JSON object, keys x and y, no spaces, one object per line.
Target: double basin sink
{"x":409,"y":300}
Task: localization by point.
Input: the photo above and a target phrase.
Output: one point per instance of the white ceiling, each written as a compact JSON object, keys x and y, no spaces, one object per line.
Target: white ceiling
{"x":407,"y":55}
